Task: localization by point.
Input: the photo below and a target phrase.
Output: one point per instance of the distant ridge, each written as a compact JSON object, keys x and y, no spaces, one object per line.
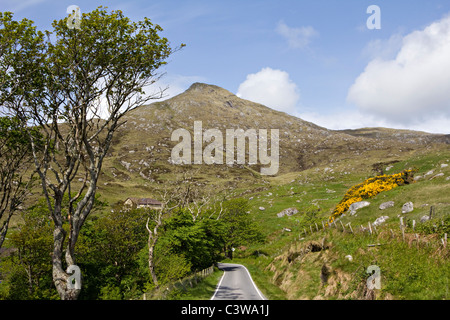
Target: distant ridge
{"x":398,"y":134}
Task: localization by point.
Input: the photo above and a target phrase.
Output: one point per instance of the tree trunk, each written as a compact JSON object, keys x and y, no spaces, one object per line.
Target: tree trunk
{"x":151,"y":265}
{"x":152,"y":239}
{"x":60,"y":277}
{"x":230,"y":253}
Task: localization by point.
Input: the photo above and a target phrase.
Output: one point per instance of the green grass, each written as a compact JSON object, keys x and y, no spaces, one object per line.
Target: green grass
{"x":408,"y":270}
{"x":203,"y":290}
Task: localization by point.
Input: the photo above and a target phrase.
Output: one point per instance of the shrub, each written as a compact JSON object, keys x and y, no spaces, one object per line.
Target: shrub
{"x":370,"y":188}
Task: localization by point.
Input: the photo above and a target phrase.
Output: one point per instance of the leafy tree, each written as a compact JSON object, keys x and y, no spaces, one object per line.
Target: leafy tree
{"x":154,"y":222}
{"x":84,"y":83}
{"x":30,"y":274}
{"x":31,"y":242}
{"x":108,"y":253}
{"x":21,"y":50}
{"x":200,"y":241}
{"x":170,"y":266}
{"x":15,"y":161}
{"x":240,"y":228}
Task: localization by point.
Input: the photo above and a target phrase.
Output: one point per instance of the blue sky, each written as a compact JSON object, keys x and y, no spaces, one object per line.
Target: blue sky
{"x":314,"y":59}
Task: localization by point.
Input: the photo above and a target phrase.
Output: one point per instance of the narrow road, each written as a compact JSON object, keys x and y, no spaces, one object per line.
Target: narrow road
{"x":236,"y":284}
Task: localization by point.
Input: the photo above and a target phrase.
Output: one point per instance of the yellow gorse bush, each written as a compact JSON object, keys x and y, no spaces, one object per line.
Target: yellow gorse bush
{"x":370,"y":188}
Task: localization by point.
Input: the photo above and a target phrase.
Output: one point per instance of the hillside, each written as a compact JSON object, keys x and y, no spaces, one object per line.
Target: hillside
{"x":302,"y":260}
{"x":317,"y":167}
{"x":139,"y":160}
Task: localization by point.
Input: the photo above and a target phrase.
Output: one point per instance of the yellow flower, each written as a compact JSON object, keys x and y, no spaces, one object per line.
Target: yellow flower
{"x":370,"y":188}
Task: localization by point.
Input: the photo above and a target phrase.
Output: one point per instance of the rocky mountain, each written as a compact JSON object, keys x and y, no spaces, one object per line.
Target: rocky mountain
{"x":140,"y":157}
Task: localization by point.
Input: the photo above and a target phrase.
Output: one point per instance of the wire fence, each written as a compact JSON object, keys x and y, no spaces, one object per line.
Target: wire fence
{"x":407,"y":232}
{"x":184,"y":284}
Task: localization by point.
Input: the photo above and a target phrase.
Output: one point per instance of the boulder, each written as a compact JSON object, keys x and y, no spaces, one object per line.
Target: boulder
{"x":424,"y":218}
{"x":262,"y":208}
{"x":437,"y":176}
{"x":386,"y":205}
{"x":429,"y":173}
{"x":287,"y":212}
{"x":356,"y":206}
{"x":407,"y":207}
{"x":380,"y":221}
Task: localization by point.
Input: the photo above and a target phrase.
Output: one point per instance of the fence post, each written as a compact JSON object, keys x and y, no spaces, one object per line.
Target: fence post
{"x":402,"y":228}
{"x":350,"y":226}
{"x":370,"y":228}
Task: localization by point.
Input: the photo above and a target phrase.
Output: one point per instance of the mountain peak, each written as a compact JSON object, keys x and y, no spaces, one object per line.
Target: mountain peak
{"x":199,"y":87}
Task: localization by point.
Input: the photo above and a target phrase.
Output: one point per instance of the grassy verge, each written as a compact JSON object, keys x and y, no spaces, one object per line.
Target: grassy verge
{"x":203,"y":290}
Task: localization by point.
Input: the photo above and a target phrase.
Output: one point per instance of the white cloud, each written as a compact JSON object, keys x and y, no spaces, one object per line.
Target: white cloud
{"x":355,"y":119}
{"x":296,"y":37}
{"x":272,"y":88}
{"x":413,"y":88}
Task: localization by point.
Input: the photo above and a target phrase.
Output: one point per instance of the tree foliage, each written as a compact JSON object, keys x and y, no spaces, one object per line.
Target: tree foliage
{"x":240,"y":229}
{"x":75,"y":86}
{"x":15,"y":161}
{"x":112,"y":251}
{"x":30,"y":273}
